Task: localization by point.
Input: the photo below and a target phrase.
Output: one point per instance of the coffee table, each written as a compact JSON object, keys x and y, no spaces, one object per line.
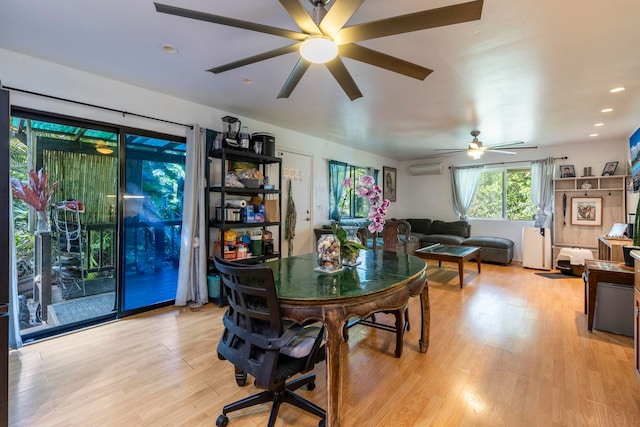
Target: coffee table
{"x":459,"y":254}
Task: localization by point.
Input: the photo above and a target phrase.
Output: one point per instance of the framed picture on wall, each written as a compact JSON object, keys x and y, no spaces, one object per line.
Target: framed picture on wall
{"x":389,"y":183}
{"x":567,"y":171}
{"x":609,"y":169}
{"x":586,"y":211}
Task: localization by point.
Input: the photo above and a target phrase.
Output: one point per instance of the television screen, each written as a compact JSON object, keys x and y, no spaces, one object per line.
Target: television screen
{"x":634,"y":146}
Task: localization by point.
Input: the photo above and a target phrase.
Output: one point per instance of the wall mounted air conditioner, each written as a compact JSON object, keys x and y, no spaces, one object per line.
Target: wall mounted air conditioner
{"x":426,"y":169}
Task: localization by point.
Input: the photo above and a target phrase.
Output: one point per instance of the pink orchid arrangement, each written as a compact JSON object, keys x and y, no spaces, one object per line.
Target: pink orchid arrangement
{"x":372,"y":193}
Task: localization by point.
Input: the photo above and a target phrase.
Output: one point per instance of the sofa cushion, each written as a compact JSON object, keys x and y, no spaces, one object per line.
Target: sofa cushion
{"x":420,"y":225}
{"x":445,"y":239}
{"x":489,"y":242}
{"x":458,"y":228}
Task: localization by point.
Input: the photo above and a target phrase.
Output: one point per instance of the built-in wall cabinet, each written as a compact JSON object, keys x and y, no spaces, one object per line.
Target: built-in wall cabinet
{"x":585,"y":208}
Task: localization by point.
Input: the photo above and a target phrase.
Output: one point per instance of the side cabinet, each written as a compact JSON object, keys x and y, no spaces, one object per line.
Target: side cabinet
{"x":636,"y":327}
{"x":636,"y":313}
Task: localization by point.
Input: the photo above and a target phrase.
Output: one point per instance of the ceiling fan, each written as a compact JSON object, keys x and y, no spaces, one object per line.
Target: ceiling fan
{"x":326,"y":27}
{"x":476,"y":148}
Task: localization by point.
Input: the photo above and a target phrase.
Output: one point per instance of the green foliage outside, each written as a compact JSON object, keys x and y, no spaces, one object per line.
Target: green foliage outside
{"x":491,"y":200}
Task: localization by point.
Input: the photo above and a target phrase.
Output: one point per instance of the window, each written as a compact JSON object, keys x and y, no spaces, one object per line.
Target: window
{"x":348,"y":205}
{"x":504,"y":194}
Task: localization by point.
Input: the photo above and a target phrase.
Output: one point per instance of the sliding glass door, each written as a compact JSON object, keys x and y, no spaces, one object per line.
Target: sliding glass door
{"x":64,"y":227}
{"x":152,"y":203}
{"x":101,"y":238}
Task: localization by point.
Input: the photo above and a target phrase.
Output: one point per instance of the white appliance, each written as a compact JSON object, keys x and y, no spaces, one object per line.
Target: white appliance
{"x":536,"y":248}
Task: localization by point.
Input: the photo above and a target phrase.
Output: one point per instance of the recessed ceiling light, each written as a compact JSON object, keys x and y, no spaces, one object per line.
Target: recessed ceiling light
{"x":606,"y":110}
{"x":598,"y":125}
{"x":167,"y":48}
{"x":617,"y":89}
{"x":593,"y":134}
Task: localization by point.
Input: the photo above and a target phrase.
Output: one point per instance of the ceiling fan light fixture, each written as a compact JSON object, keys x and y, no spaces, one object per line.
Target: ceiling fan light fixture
{"x":476,"y":154}
{"x":318,"y":49}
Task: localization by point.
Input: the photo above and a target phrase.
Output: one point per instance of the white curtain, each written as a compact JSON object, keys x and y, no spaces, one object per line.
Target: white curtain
{"x":464,"y":183}
{"x":192,"y":271}
{"x":15,"y":339}
{"x":541,"y":188}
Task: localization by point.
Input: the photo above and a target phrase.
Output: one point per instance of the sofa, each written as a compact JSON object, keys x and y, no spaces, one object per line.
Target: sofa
{"x":426,"y":232}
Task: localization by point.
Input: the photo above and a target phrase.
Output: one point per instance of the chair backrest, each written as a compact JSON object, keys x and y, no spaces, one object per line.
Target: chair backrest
{"x":391,"y":232}
{"x":252,"y":323}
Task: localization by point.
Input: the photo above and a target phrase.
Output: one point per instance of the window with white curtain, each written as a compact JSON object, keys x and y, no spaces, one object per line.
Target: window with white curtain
{"x":504,"y":193}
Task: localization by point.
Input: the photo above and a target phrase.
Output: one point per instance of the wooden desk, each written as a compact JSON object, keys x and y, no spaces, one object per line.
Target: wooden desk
{"x":602,"y":271}
{"x":611,"y":250}
{"x":384,"y":281}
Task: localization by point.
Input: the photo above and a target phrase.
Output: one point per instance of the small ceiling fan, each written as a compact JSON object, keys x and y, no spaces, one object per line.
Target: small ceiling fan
{"x":476,"y":148}
{"x":326,"y":27}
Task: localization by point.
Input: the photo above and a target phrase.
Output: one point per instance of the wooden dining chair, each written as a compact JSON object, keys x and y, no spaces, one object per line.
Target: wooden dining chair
{"x":391,"y":242}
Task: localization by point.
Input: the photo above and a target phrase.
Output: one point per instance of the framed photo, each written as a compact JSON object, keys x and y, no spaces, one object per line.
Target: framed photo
{"x":567,"y":171}
{"x":609,"y":169}
{"x":586,"y":211}
{"x":389,"y":183}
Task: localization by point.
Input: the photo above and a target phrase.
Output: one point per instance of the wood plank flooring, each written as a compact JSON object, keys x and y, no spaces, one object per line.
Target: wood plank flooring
{"x":509,"y":349}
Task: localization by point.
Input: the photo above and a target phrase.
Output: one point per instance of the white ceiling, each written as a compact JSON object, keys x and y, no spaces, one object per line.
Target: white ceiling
{"x":532,"y":70}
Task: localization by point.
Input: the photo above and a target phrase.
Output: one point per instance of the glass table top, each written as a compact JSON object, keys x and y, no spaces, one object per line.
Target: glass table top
{"x":447,"y":250}
{"x":296,"y":279}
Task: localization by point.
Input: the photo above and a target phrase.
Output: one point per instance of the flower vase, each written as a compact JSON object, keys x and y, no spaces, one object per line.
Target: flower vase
{"x":350,"y":255}
{"x":350,"y":258}
{"x":329,"y":254}
{"x":42,"y":224}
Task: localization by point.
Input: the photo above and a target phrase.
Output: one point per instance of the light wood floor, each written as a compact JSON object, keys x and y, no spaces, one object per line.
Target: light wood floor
{"x":510,"y":349}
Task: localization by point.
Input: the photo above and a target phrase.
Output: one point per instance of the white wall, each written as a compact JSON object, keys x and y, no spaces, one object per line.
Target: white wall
{"x":32,"y":74}
{"x":433,"y":199}
{"x":418,"y":196}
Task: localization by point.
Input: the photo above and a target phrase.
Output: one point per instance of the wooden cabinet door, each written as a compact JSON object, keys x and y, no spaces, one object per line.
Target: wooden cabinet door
{"x":636,"y":329}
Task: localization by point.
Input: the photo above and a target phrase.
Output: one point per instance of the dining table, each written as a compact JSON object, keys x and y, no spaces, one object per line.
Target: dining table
{"x":383,"y":280}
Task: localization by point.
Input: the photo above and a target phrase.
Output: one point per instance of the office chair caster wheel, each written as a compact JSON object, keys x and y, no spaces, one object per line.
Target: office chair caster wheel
{"x":222,"y":421}
{"x":311,"y":386}
{"x":241,"y":378}
{"x":322,"y":423}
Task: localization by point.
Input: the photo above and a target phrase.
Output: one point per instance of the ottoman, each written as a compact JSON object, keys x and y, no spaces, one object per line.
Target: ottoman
{"x":494,"y":249}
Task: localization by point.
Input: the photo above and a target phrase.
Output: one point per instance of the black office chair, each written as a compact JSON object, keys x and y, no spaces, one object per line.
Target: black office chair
{"x":390,"y":235}
{"x":258,"y":342}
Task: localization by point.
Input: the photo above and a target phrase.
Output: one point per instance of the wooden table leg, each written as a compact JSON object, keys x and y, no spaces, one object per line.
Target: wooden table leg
{"x":478,"y":255}
{"x":425,"y":326}
{"x":335,"y":347}
{"x":461,"y":270}
{"x":591,"y":295}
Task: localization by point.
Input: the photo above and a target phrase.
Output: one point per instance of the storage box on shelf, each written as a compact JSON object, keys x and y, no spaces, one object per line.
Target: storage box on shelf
{"x":610,"y":190}
{"x":243,"y":221}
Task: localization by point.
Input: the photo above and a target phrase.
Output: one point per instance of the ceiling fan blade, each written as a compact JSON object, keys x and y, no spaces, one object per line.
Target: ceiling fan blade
{"x":293,"y":79}
{"x":338,"y":15}
{"x":301,"y":16}
{"x":505,"y":144}
{"x":229,"y":22}
{"x":344,"y":79}
{"x":502,"y":152}
{"x":379,"y":59}
{"x":257,"y":58}
{"x":426,"y":19}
